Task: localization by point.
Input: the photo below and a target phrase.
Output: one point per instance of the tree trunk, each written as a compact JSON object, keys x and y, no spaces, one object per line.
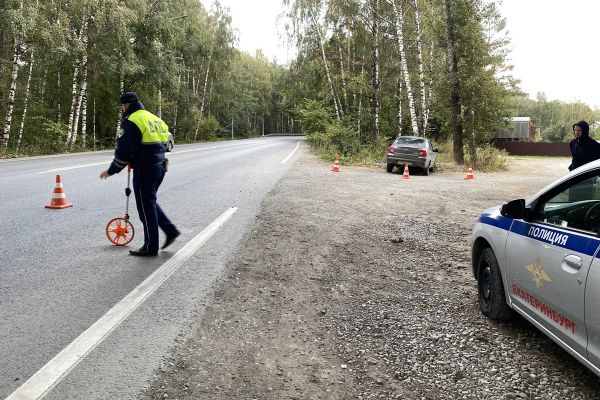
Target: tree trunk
{"x":122,"y":87}
{"x":58,"y":106}
{"x":76,"y":65}
{"x":84,"y":107}
{"x":424,"y":105}
{"x":204,"y":89}
{"x":83,"y":38}
{"x":376,"y":83}
{"x":399,"y":22}
{"x":336,"y":101}
{"x":344,"y":83}
{"x":399,"y":105}
{"x":11,"y":94}
{"x":31,"y":62}
{"x":94,"y":127}
{"x":456,"y":118}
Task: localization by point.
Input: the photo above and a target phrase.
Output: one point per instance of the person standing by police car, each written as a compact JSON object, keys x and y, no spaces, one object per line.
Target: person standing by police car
{"x":142,"y":144}
{"x":584,"y":149}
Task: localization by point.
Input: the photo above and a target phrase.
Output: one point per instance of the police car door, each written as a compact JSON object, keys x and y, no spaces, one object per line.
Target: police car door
{"x":548,"y":258}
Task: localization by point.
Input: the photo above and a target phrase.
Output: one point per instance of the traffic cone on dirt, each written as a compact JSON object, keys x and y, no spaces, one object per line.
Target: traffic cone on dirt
{"x":336,"y":164}
{"x":470,"y":176}
{"x":59,"y":199}
{"x":405,"y":175}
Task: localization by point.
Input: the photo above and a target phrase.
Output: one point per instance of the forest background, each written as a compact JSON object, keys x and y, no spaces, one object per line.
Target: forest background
{"x":366,"y":71}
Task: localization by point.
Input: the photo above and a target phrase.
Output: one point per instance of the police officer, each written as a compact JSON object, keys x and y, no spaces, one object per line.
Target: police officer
{"x":142,"y":143}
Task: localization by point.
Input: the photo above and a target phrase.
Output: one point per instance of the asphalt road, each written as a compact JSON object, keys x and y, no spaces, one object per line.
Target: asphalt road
{"x":59,"y":274}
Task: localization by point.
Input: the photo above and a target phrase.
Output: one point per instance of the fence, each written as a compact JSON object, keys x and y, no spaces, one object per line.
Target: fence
{"x":534,"y":148}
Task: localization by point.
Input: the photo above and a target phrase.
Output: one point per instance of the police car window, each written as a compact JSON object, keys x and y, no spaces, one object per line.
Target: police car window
{"x":576,"y":207}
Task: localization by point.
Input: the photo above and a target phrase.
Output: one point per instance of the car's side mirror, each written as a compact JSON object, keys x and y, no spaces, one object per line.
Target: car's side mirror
{"x":435,"y":150}
{"x":514,"y":209}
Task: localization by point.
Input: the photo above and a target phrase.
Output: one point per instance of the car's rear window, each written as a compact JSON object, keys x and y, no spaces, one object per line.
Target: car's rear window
{"x":409,"y":141}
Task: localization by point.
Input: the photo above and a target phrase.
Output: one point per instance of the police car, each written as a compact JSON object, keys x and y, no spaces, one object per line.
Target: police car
{"x":540,"y":257}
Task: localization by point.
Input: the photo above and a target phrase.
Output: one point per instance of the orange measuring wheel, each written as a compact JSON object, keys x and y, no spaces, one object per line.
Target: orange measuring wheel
{"x":119,"y":231}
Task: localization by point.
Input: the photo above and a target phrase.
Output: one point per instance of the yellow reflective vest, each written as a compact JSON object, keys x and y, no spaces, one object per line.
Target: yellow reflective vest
{"x":154,"y":129}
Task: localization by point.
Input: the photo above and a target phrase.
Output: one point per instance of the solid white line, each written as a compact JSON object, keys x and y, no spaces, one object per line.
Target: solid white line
{"x":170,"y":154}
{"x":56,"y":369}
{"x":291,"y":154}
{"x":221,"y":147}
{"x":75,"y":167}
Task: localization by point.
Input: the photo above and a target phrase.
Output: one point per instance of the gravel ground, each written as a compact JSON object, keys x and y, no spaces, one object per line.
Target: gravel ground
{"x":357,"y":285}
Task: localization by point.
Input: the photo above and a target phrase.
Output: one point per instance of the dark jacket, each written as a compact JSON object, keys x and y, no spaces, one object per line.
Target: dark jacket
{"x":129,"y":146}
{"x":585,"y":149}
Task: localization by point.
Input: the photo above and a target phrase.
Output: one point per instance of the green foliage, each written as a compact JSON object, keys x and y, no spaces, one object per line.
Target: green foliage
{"x":209,"y":128}
{"x":314,"y":117}
{"x":177,"y":56}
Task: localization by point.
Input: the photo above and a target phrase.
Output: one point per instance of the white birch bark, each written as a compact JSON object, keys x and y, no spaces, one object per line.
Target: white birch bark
{"x":204,"y":89}
{"x":58,"y":106}
{"x":375,"y":73}
{"x":76,"y":65}
{"x":11,"y":94}
{"x":399,"y":23}
{"x":84,"y":107}
{"x":26,"y":101}
{"x":94,"y":127}
{"x":121,"y":88}
{"x":399,"y":105}
{"x":344,"y":82}
{"x":326,"y":65}
{"x":83,"y":89}
{"x":424,"y":105}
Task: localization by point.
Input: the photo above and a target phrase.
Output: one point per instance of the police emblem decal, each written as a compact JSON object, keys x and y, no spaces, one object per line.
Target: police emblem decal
{"x":538,"y":275}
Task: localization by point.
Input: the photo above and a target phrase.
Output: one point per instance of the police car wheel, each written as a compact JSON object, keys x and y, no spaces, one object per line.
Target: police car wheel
{"x":492,"y":301}
{"x":426,"y":171}
{"x":390,"y":167}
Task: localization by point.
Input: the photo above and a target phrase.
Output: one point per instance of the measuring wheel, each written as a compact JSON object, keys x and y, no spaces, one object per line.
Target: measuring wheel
{"x":119,"y":231}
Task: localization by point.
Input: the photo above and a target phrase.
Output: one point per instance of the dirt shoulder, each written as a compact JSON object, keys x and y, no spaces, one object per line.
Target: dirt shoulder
{"x":357,"y":285}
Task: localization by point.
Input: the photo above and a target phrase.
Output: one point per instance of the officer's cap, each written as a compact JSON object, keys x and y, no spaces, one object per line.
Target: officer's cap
{"x":129,"y":97}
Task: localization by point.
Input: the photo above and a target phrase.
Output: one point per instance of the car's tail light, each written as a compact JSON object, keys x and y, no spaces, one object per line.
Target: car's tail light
{"x":423,"y":153}
{"x":391,"y":150}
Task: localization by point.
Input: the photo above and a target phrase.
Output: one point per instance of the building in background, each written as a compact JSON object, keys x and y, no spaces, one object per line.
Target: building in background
{"x":519,"y":131}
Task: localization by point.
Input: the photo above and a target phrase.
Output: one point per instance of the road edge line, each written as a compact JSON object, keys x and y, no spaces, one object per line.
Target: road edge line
{"x":45,"y":379}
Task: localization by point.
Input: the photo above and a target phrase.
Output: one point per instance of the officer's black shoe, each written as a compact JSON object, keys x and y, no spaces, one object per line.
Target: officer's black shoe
{"x":171,"y":239}
{"x":142,"y":252}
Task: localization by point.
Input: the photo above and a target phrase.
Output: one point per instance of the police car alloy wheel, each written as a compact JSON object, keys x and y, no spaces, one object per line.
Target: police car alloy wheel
{"x":492,"y":301}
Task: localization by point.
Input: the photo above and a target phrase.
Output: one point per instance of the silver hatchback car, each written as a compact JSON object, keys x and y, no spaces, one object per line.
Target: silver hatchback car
{"x":541,"y":258}
{"x":412,"y":151}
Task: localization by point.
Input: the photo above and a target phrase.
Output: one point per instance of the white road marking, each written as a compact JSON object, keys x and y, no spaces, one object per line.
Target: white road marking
{"x":222,"y":147}
{"x":291,"y":154}
{"x":170,"y":154}
{"x":44,"y":380}
{"x":75,"y":167}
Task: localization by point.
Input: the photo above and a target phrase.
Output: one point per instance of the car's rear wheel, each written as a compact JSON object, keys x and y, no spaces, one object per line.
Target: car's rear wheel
{"x":426,"y":170}
{"x":169,"y":146}
{"x":492,"y":300}
{"x":390,"y":167}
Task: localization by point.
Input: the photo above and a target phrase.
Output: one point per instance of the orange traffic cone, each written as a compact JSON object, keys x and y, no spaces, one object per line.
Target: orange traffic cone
{"x":59,"y":200}
{"x":336,"y":164}
{"x":470,"y":174}
{"x":406,"y":175}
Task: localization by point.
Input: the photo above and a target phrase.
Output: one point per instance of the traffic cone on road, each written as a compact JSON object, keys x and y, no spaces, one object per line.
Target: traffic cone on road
{"x":336,"y":164}
{"x":470,"y":174}
{"x":406,"y":175}
{"x":59,"y":199}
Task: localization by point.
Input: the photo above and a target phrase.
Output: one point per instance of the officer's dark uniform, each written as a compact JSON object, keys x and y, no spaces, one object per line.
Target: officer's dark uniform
{"x":142,"y":143}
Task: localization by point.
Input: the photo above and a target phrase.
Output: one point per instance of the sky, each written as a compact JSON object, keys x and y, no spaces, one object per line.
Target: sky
{"x":555,"y":47}
{"x":554,"y":42}
{"x":259,"y":27}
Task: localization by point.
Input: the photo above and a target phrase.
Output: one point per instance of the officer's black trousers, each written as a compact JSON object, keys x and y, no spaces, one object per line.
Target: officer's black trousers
{"x":146,"y":181}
